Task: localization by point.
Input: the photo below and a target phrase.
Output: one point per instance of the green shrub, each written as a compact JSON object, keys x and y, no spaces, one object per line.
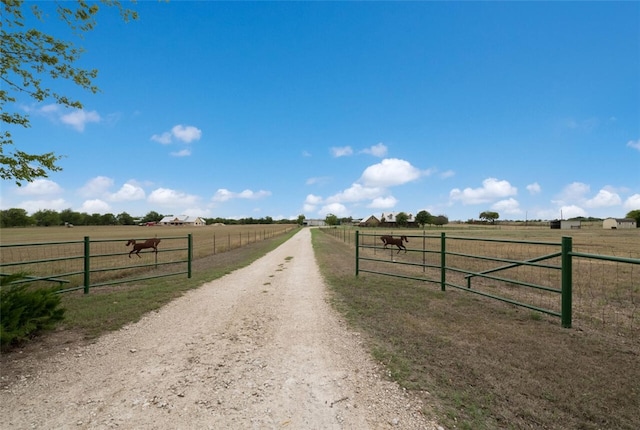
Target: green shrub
{"x":26,"y":311}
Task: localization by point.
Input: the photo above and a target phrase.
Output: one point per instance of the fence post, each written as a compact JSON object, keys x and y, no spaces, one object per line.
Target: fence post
{"x":443,"y":262}
{"x":190,"y":254}
{"x":424,"y":251}
{"x":567,"y":281}
{"x":357,"y":252}
{"x":87,"y":264}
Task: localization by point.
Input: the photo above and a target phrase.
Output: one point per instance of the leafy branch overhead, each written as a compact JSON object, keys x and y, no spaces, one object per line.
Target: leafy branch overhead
{"x":29,"y":59}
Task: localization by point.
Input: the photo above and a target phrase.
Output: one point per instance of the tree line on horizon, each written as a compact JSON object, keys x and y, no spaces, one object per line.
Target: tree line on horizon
{"x":17,"y":217}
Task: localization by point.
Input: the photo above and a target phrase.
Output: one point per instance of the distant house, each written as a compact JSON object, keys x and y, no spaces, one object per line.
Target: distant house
{"x":182,"y":220}
{"x":313,"y":223}
{"x":389,"y":219}
{"x":616,"y":223}
{"x":386,"y":220}
{"x":566,"y":224}
{"x":370,"y":221}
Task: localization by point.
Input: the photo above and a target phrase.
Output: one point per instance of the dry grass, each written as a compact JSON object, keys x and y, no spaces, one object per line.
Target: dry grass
{"x":109,"y":256}
{"x":606,"y":294}
{"x":487,"y":364}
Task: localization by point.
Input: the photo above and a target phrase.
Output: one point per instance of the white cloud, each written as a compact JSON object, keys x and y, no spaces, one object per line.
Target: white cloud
{"x":509,"y":206}
{"x":492,"y":189}
{"x":564,"y":212}
{"x":95,"y":206}
{"x":222,"y":195}
{"x":534,"y":188}
{"x":76,"y":118}
{"x":32,"y":206}
{"x":383,"y":203}
{"x":635,"y":144}
{"x":389,"y":172}
{"x":337,"y":209}
{"x":341,"y":151}
{"x":447,"y":174}
{"x":186,"y":134}
{"x":253,"y":195}
{"x":572,"y":211}
{"x":356,"y":193}
{"x":96,"y":186}
{"x":49,"y":109}
{"x":575,"y":191}
{"x":379,"y":150}
{"x":164,"y":138}
{"x":604,"y":198}
{"x":197,"y":211}
{"x":168,"y":197}
{"x":79,"y":118}
{"x":183,"y":153}
{"x":39,"y":187}
{"x":633,"y":202}
{"x":318,"y":180}
{"x":127,"y":193}
{"x":313,"y":200}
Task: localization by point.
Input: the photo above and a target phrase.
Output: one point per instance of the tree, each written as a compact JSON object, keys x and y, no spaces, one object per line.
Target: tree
{"x":348,"y":220}
{"x":71,"y":217}
{"x":125,"y":219}
{"x":489,"y":216}
{"x":331,"y":219}
{"x":14,"y":217}
{"x":108,"y":219}
{"x":440,"y":220}
{"x":301,"y":219}
{"x":635,"y":214}
{"x":402,"y":219}
{"x":151,"y":217}
{"x":27,"y":56}
{"x":46,"y":218}
{"x":423,"y":218}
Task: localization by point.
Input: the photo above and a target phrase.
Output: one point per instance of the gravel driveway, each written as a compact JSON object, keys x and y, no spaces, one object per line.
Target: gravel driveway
{"x":257,"y":349}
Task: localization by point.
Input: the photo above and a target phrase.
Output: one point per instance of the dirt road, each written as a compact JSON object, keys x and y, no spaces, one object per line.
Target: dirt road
{"x":257,"y":349}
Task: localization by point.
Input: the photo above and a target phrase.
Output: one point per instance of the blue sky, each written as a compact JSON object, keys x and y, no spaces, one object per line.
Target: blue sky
{"x":256,"y":109}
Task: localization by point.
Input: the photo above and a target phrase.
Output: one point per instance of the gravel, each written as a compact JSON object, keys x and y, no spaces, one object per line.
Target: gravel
{"x":257,"y":349}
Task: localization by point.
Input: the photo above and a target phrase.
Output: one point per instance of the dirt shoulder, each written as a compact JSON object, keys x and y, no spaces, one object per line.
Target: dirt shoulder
{"x":259,"y":348}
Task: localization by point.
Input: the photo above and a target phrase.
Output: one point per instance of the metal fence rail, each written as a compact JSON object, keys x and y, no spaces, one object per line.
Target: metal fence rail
{"x":499,"y":269}
{"x":86,"y":264}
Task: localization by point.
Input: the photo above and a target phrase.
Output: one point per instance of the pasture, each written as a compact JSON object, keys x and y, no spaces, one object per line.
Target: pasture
{"x":606,"y":294}
{"x":109,"y":248}
{"x":220,"y":250}
{"x":482,"y":364}
{"x":486,"y":364}
{"x":207,"y":239}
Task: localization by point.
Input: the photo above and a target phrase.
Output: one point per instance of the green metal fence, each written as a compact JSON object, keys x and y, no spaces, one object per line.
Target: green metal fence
{"x":536,"y":275}
{"x":86,"y":264}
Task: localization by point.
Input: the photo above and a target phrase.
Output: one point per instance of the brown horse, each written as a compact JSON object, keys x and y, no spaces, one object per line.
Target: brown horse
{"x":137,"y":247}
{"x":390,"y":240}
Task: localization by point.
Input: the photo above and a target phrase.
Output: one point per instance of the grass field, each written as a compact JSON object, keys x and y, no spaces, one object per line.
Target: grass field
{"x":491,"y":365}
{"x":483,"y":364}
{"x":109,"y":255}
{"x":109,"y":308}
{"x":606,"y":294}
